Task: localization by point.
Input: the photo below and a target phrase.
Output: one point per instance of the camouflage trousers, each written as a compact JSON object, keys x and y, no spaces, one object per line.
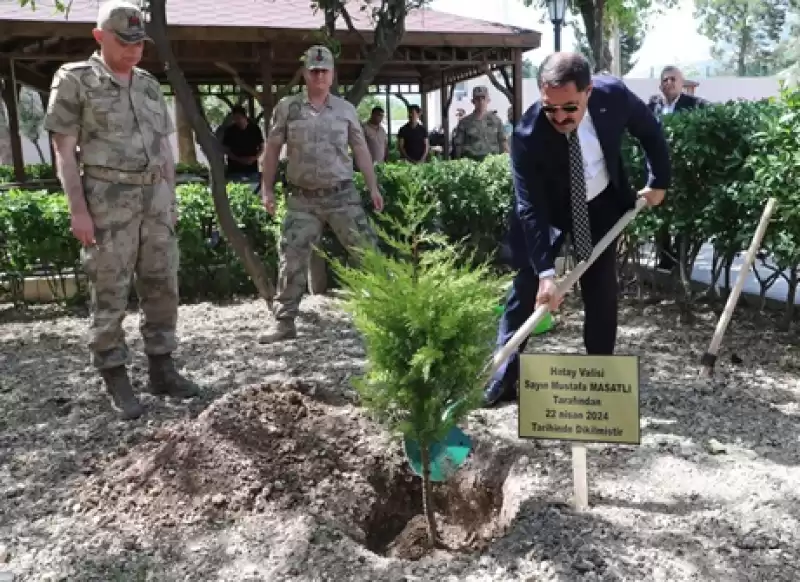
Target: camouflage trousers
{"x":135,"y":241}
{"x":306,"y":216}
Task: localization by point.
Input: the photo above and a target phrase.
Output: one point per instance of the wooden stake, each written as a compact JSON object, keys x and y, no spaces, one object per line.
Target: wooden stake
{"x":580,"y":479}
{"x":708,"y":359}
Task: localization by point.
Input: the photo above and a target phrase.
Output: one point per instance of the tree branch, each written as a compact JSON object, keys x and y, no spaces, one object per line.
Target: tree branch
{"x":493,"y":80}
{"x":348,"y":20}
{"x":238,"y":80}
{"x":389,"y":31}
{"x":157,"y":28}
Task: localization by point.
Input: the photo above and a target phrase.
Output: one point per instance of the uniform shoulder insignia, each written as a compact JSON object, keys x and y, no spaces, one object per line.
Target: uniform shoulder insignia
{"x":76,"y":66}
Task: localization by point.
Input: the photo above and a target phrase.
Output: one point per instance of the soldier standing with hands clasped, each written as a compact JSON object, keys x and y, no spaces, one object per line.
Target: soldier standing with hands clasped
{"x":317,"y":128}
{"x":123,"y":209}
{"x":481,"y":133}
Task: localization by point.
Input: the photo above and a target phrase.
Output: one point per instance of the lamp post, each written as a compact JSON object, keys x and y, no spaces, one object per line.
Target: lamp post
{"x":557,"y":10}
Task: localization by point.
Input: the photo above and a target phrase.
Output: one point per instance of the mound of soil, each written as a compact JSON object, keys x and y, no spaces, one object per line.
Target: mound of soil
{"x":272,"y":447}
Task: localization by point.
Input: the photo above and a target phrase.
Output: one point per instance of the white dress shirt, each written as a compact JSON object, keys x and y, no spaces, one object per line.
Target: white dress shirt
{"x":594,"y":168}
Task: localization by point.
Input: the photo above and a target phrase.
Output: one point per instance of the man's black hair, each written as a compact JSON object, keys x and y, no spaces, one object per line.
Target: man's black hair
{"x":414,"y":108}
{"x":377,"y":109}
{"x":559,"y":69}
{"x":238,"y":109}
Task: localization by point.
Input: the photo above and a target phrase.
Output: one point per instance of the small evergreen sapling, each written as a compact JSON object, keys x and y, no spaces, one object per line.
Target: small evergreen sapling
{"x":428,"y":320}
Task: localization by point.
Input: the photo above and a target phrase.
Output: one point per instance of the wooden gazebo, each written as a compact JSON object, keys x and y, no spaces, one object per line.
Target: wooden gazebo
{"x":260,"y":44}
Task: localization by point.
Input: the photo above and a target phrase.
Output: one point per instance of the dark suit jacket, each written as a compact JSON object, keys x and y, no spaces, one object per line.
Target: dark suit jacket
{"x":684,"y":103}
{"x":540,"y":168}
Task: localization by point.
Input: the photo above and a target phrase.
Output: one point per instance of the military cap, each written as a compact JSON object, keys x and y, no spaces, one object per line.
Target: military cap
{"x":124,"y":19}
{"x":319,"y":57}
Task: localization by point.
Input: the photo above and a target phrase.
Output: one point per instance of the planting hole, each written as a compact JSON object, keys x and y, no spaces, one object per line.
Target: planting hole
{"x":468,"y":508}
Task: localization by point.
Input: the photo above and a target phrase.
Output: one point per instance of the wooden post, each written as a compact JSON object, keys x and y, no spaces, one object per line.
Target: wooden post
{"x":517,"y":104}
{"x":445,"y":107}
{"x":251,"y":105}
{"x":423,"y":98}
{"x":267,"y":82}
{"x":12,"y":105}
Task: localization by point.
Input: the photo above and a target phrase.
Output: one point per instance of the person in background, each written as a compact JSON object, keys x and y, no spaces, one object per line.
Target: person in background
{"x":671,"y":100}
{"x":460,"y":113}
{"x":480,"y":133}
{"x":412,"y":139}
{"x":377,"y":139}
{"x":243,"y":143}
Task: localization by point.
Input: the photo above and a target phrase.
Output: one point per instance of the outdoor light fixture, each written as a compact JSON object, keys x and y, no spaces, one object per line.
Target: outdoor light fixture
{"x":557,"y":10}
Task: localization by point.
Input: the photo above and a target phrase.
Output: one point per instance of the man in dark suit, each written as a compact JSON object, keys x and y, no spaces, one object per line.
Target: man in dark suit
{"x":671,"y":100}
{"x":569,"y":177}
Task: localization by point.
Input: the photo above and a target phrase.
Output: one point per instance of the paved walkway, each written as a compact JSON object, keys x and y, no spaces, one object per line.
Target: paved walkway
{"x":702,"y":274}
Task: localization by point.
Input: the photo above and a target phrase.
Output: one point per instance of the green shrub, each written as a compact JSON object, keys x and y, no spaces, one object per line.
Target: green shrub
{"x":775,"y":166}
{"x":727,"y":159}
{"x":35,"y":238}
{"x":33,"y":172}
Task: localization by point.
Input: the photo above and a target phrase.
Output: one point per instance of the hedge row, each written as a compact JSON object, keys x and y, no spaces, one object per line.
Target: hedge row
{"x":727,"y":160}
{"x":35,"y":237}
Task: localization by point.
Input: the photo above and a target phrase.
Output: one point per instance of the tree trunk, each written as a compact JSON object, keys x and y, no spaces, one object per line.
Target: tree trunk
{"x":592,"y":13}
{"x":39,"y":150}
{"x":389,"y":32}
{"x":211,"y":148}
{"x":187,"y":154}
{"x":427,"y":495}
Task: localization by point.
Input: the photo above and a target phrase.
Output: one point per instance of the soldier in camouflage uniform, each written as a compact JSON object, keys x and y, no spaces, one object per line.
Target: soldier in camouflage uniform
{"x":480,"y":133}
{"x":317,"y":128}
{"x":123,"y":208}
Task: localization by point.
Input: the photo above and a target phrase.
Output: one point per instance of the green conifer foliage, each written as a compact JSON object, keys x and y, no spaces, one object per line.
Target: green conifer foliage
{"x":428,"y":319}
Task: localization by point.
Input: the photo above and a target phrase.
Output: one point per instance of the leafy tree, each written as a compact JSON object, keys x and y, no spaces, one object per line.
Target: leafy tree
{"x":389,"y":20}
{"x":746,"y":33}
{"x":631,"y":39}
{"x":595,"y":17}
{"x":428,"y":323}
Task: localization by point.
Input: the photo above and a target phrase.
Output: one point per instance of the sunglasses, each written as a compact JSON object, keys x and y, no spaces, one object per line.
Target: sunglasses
{"x":565,"y":108}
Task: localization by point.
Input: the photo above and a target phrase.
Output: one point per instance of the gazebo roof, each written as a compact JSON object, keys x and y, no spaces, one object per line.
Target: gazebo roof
{"x":437,"y":47}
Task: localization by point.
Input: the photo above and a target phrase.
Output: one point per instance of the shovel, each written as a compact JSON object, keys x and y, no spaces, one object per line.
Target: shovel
{"x":448,"y":455}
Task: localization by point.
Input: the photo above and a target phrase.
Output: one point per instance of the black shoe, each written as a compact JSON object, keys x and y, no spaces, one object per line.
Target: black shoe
{"x":495,"y":392}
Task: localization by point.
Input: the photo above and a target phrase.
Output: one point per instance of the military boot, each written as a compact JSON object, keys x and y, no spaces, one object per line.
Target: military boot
{"x":165,"y":379}
{"x":281,"y":329}
{"x":118,"y":386}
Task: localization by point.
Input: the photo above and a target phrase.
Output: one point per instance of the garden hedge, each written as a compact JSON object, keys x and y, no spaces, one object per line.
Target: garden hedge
{"x":727,"y":160}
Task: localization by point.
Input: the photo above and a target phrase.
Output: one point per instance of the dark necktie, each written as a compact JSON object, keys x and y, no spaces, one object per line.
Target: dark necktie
{"x":581,"y":232}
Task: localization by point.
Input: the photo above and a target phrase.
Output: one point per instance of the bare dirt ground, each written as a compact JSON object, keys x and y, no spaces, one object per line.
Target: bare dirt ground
{"x":275,"y":474}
